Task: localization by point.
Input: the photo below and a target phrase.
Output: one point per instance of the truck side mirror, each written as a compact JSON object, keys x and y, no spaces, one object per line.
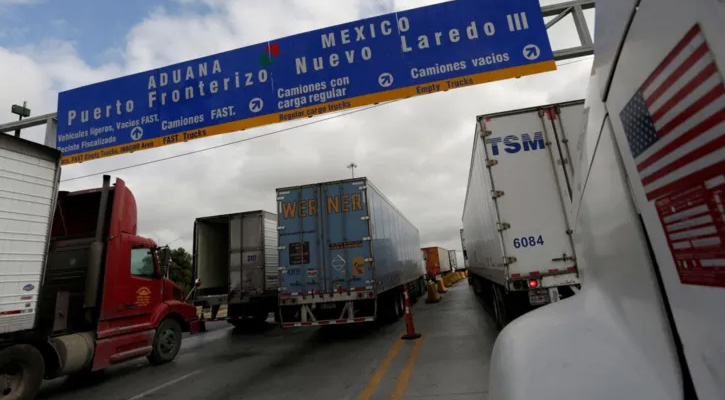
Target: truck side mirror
{"x":164,"y":254}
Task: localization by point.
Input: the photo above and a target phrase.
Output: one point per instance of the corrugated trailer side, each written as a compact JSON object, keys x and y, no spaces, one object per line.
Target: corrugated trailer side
{"x":396,"y":244}
{"x":26,"y":212}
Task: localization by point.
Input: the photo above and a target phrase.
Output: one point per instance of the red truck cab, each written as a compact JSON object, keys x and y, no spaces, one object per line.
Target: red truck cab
{"x":132,"y":309}
{"x":85,"y":291}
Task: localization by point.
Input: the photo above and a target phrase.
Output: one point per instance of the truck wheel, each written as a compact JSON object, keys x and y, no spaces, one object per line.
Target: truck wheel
{"x":399,"y":306}
{"x":21,"y":372}
{"x":167,"y":342}
{"x":477,"y":286}
{"x":499,"y":306}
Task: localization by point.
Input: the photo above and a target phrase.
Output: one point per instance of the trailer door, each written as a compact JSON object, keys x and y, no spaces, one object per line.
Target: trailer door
{"x":347,"y":236}
{"x":530,"y":192}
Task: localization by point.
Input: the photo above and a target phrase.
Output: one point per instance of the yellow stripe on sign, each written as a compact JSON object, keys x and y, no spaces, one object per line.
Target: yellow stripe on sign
{"x":309,"y":111}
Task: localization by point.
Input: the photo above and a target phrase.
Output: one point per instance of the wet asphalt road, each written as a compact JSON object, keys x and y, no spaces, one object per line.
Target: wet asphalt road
{"x":362,"y":361}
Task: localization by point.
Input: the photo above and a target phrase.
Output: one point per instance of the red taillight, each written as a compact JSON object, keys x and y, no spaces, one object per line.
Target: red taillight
{"x":533,"y":283}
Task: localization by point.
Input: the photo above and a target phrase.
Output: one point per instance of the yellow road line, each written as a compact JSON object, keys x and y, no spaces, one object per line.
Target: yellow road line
{"x":404,"y":377}
{"x":380,"y":373}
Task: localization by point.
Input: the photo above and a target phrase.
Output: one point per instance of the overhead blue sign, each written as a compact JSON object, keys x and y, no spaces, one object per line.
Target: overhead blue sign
{"x":421,"y":51}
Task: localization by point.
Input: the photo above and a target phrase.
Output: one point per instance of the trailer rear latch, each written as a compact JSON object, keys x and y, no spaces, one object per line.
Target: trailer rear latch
{"x":564,"y":257}
{"x":497,"y":193}
{"x":509,"y":260}
{"x":503,"y":226}
{"x":491,"y":163}
{"x":486,"y":133}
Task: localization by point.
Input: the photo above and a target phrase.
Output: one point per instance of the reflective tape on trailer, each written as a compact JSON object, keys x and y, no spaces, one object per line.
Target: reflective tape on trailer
{"x":314,"y":292}
{"x":552,"y":271}
{"x":328,"y":322}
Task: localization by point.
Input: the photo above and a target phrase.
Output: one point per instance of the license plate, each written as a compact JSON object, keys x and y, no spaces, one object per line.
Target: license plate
{"x":537,"y":298}
{"x":327,"y":306}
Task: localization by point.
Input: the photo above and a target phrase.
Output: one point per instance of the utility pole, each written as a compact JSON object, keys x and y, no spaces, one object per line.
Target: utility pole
{"x":352,"y":167}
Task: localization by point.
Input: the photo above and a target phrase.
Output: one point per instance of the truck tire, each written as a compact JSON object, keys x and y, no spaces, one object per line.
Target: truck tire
{"x":167,"y":342}
{"x":387,"y":308}
{"x":500,"y":306}
{"x":21,"y":372}
{"x":399,"y":305}
{"x":478,"y":288}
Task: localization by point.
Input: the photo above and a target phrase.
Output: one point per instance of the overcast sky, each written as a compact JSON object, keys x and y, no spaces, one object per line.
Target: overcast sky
{"x":417,"y":151}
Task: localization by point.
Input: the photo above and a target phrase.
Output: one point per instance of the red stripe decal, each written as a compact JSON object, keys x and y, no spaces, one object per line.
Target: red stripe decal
{"x":288,"y":325}
{"x":534,"y":273}
{"x":359,"y":320}
{"x":674,"y":53}
{"x":572,"y":269}
{"x":686,"y":181}
{"x":306,"y":323}
{"x":341,"y":321}
{"x":696,"y":131}
{"x":687,"y":64}
{"x":690,"y":87}
{"x":711,"y":96}
{"x":516,"y":275}
{"x":690,"y":218}
{"x":553,"y":271}
{"x":13,"y":312}
{"x":324,"y":322}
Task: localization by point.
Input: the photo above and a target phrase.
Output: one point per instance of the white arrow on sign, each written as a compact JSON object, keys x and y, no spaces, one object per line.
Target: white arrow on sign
{"x":256,"y":105}
{"x":137,"y":133}
{"x":339,"y":263}
{"x":385,"y":79}
{"x":531,"y":52}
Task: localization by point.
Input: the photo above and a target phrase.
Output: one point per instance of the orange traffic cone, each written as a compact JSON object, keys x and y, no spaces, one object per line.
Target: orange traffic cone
{"x":410,"y":334}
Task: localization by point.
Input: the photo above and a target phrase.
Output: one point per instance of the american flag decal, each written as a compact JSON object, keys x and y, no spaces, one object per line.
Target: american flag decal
{"x":675,"y":122}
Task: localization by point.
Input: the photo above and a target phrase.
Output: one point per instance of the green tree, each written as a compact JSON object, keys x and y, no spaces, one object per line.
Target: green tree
{"x":181,"y":269}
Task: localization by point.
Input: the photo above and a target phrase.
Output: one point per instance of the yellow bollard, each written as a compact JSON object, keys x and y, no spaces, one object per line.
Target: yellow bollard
{"x":441,"y":286}
{"x":433,"y":295}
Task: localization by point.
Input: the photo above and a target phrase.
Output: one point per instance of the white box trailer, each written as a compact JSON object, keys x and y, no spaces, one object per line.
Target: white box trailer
{"x":516,"y":215}
{"x":453,"y":260}
{"x":236,"y":263}
{"x":29,"y":178}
